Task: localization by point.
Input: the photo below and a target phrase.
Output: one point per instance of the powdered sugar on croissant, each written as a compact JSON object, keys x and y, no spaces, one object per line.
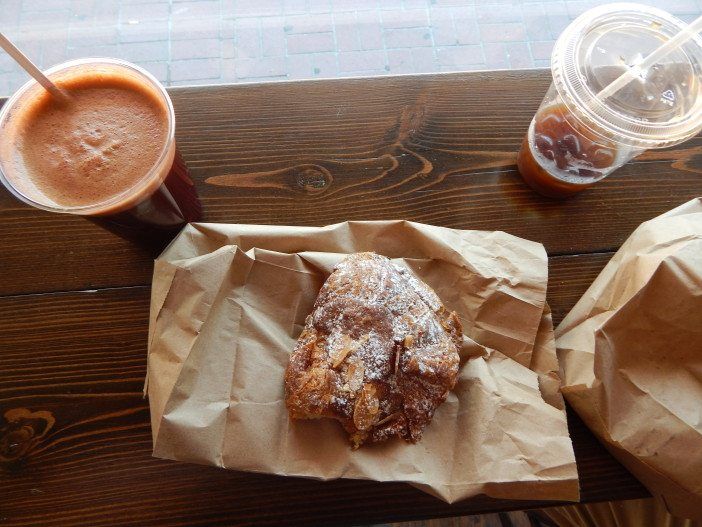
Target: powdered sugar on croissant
{"x":379,"y":352}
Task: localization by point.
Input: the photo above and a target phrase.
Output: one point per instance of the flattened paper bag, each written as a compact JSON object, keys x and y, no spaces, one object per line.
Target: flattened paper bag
{"x":631,"y":352}
{"x":229,"y":301}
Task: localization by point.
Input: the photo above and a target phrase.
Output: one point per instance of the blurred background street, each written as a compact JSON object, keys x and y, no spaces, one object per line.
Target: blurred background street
{"x":223,"y":41}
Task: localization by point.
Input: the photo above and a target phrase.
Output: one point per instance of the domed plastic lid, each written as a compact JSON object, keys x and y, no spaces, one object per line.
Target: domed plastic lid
{"x":662,"y":106}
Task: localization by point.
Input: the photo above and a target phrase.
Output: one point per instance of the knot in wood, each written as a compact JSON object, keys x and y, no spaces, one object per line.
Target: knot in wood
{"x":311,"y":178}
{"x":21,"y":432}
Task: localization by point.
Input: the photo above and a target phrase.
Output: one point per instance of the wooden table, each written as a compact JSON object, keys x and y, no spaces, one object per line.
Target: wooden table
{"x":438,"y":149}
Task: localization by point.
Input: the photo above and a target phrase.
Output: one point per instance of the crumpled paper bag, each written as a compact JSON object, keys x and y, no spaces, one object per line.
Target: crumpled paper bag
{"x":647,"y":512}
{"x":631,"y":355}
{"x":229,"y":301}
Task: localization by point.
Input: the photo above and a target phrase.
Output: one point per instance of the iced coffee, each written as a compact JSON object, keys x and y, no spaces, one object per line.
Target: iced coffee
{"x":583,"y":131}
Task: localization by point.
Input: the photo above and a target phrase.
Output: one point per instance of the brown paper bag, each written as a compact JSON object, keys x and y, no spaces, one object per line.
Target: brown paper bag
{"x":631,"y":353}
{"x":229,"y":301}
{"x":648,"y":512}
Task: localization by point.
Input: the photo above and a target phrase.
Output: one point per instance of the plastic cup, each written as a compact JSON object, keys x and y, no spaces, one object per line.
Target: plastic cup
{"x":154,"y":208}
{"x":575,"y":139}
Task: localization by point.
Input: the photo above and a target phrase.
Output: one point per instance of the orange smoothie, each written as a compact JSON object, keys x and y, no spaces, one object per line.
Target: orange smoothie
{"x":99,"y":144}
{"x":106,"y":151}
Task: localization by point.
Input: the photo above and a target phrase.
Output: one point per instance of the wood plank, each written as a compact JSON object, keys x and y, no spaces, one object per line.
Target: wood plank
{"x":77,"y":360}
{"x":569,"y":276}
{"x":438,"y":149}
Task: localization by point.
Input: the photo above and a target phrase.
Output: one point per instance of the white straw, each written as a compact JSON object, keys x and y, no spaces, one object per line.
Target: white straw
{"x":635,"y":71}
{"x":30,"y":68}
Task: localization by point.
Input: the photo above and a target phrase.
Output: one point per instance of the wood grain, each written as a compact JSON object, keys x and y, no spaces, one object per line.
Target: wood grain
{"x":74,"y":364}
{"x":75,"y":437}
{"x":439,"y":149}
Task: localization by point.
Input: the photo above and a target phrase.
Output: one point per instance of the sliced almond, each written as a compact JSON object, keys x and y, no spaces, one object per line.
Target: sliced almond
{"x":348,"y":346}
{"x":388,"y":418}
{"x":340,"y":351}
{"x":354,"y":375}
{"x":340,"y":356}
{"x":365,"y":412}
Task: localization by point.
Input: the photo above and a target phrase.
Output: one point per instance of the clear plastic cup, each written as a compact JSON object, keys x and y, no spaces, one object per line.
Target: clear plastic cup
{"x":575,"y":139}
{"x":161,"y":200}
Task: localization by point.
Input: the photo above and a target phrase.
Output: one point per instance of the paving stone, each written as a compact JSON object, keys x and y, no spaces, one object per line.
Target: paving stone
{"x":145,"y":51}
{"x":361,"y":60}
{"x":400,"y":61}
{"x":194,"y":69}
{"x":407,"y":38}
{"x":195,"y":49}
{"x":458,"y":56}
{"x":186,"y":42}
{"x":310,"y":43}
